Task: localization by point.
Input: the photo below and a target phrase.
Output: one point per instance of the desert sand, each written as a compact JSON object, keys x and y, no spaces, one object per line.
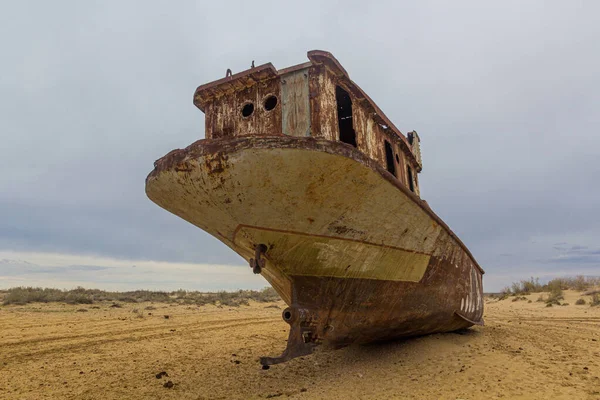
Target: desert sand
{"x":525,"y":351}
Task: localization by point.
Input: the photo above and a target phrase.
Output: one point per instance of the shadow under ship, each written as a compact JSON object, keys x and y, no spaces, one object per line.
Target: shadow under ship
{"x":305,"y":177}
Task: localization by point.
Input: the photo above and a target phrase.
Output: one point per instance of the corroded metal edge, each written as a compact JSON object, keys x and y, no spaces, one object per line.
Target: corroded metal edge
{"x":176,"y":161}
{"x":480,"y":322}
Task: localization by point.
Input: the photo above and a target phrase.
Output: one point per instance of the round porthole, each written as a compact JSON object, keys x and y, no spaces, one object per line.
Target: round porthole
{"x":270,"y":103}
{"x":247,"y":110}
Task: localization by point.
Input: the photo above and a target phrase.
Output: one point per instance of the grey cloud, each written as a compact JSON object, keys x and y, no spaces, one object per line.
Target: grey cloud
{"x":21,"y":267}
{"x":505,"y":98}
{"x":593,"y":258}
{"x":577,"y":248}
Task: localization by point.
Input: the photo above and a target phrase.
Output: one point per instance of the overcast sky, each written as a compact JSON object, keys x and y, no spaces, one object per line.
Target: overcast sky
{"x":505,"y":97}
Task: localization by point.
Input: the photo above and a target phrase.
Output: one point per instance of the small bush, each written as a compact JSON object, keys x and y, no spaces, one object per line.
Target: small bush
{"x":580,"y":283}
{"x":595,"y":301}
{"x":78,"y":298}
{"x":504,"y":293}
{"x":580,"y":302}
{"x":555,"y":294}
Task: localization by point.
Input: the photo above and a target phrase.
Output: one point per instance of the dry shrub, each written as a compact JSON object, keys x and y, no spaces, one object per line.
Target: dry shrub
{"x":579,"y":283}
{"x":595,"y":301}
{"x":24,"y":295}
{"x":533,"y":285}
{"x":504,"y":293}
{"x":580,"y":302}
{"x":555,"y":295}
{"x":525,"y":287}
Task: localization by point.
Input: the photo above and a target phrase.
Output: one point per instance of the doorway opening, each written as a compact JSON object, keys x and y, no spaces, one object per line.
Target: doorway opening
{"x":344,"y":111}
{"x":389,"y":158}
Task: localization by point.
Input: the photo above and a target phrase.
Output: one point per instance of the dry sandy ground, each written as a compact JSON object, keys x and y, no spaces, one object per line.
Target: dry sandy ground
{"x":525,"y":351}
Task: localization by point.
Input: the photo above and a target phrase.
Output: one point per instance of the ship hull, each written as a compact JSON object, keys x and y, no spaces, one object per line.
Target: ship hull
{"x":356,"y":255}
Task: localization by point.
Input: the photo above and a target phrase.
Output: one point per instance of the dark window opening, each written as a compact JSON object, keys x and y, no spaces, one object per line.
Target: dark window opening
{"x":247,"y":110}
{"x":344,"y":110}
{"x":270,"y":103}
{"x":389,"y":158}
{"x":411,"y":184}
{"x":397,"y":159}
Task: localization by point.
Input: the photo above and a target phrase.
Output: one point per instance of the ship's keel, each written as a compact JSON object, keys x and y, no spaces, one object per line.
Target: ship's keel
{"x":302,"y":339}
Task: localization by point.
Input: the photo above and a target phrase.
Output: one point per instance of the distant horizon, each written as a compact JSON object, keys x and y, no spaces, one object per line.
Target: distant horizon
{"x":68,"y":271}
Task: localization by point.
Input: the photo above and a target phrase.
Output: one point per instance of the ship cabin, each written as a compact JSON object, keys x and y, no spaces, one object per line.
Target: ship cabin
{"x":314,"y":99}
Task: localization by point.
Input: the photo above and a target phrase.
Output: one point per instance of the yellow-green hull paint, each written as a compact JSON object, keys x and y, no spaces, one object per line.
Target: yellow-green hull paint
{"x":325,"y":256}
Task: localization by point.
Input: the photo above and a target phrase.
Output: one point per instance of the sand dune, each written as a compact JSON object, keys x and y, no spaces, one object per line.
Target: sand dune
{"x":525,"y":351}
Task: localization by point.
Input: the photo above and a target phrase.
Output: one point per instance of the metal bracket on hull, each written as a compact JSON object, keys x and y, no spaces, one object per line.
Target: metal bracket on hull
{"x":258,"y":263}
{"x":301,"y":341}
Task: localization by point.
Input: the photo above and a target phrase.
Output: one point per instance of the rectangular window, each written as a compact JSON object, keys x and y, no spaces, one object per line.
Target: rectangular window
{"x":411,"y":184}
{"x":389,"y":158}
{"x":344,"y":113}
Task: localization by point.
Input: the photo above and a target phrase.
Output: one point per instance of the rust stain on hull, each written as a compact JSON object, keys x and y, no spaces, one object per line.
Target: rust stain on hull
{"x":338,"y":229}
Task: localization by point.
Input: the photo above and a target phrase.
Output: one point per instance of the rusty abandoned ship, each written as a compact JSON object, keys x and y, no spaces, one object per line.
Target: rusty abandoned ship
{"x":305,"y":177}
